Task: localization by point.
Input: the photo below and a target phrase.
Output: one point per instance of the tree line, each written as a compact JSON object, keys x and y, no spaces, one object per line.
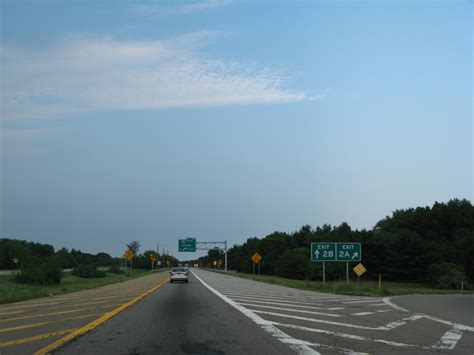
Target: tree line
{"x":412,"y":245}
{"x":30,"y":254}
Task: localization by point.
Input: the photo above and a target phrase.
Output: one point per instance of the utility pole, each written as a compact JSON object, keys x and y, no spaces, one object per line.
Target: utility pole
{"x":225,"y":251}
{"x":157,"y":253}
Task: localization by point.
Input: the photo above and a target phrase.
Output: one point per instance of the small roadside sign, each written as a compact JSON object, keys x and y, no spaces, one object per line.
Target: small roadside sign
{"x":359,"y":269}
{"x":128,"y":255}
{"x":256,"y":258}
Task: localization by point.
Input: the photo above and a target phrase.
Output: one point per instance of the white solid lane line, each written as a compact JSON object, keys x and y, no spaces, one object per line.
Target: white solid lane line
{"x":291,"y":310}
{"x":295,"y":344}
{"x":249,"y":299}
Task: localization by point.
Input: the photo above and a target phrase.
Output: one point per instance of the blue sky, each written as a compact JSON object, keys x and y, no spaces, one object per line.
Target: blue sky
{"x":228,"y":119}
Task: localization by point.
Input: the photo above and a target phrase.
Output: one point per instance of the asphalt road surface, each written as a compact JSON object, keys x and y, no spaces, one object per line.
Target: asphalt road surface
{"x":179,"y":318}
{"x":217,"y":313}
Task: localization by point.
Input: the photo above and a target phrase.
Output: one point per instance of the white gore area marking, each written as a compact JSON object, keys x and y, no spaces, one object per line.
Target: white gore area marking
{"x":449,"y":340}
{"x":291,"y":310}
{"x":297,"y":345}
{"x":362,"y":313}
{"x":348,"y":336}
{"x":374,"y":312}
{"x":362,"y":301}
{"x":377,"y":305}
{"x":387,"y":301}
{"x":287,"y":303}
{"x":268,"y":297}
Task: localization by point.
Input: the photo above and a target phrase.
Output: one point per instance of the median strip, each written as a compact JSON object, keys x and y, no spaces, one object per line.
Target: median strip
{"x":88,"y":327}
{"x":35,"y":338}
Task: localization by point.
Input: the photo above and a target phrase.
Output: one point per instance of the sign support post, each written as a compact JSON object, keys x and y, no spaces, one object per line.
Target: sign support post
{"x":331,"y":251}
{"x":347,"y":272}
{"x":324,"y":272}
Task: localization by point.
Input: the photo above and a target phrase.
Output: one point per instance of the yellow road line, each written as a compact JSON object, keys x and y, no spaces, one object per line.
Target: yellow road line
{"x":91,"y":295}
{"x":58,"y":301}
{"x":35,"y":338}
{"x":96,"y":323}
{"x":86,"y":304}
{"x":18,"y":327}
{"x":14,"y":312}
{"x":29,"y":305}
{"x":58,"y":313}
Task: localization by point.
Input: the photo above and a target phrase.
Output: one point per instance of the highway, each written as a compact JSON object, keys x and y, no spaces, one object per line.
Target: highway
{"x":217,"y":313}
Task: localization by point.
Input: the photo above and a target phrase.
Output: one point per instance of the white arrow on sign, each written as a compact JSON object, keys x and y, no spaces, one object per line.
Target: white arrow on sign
{"x":317,"y":254}
{"x":355,"y":255}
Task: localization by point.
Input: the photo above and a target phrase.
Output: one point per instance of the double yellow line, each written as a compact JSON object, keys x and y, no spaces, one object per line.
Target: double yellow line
{"x":88,"y":327}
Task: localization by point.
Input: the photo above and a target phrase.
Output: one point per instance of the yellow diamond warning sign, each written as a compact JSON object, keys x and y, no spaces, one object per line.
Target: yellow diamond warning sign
{"x":128,"y":255}
{"x":256,"y":258}
{"x":359,"y":269}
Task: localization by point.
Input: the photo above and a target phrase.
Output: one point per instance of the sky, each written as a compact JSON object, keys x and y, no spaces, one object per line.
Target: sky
{"x":224,"y":120}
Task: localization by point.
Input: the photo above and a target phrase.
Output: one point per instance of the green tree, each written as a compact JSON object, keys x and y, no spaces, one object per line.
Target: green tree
{"x":134,"y":246}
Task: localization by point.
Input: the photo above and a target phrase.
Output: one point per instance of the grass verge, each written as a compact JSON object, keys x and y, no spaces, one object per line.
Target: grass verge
{"x":353,"y":288}
{"x":13,"y":292}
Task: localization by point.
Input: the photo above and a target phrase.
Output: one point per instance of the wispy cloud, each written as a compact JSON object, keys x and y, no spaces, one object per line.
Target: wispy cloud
{"x":90,"y":74}
{"x":179,"y":7}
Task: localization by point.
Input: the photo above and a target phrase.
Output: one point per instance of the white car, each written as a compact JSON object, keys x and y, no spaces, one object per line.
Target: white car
{"x":178,"y":274}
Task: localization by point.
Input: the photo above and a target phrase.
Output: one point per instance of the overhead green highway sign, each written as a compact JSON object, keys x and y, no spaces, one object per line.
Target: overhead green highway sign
{"x":187,"y":245}
{"x":336,"y":251}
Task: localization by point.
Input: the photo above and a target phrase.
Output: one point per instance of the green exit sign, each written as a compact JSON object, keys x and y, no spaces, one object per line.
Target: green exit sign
{"x":323,"y":251}
{"x":336,"y":252}
{"x":348,"y":252}
{"x":187,"y":245}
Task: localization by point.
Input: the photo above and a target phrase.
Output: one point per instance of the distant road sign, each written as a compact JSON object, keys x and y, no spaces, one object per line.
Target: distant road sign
{"x":359,"y":269}
{"x":256,"y":258}
{"x":323,"y":252}
{"x":128,"y":255}
{"x":187,"y":245}
{"x":336,"y":252}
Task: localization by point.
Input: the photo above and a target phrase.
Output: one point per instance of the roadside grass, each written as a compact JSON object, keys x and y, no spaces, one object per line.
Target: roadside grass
{"x":12,"y":292}
{"x":353,"y":288}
